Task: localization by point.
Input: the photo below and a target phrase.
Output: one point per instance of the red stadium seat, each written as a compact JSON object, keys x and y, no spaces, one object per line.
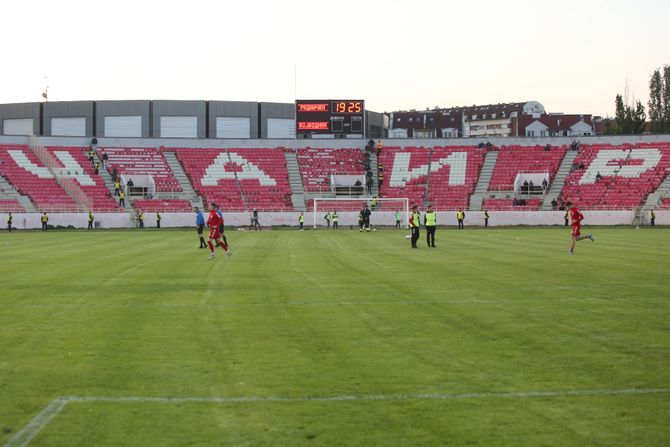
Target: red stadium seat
{"x":629,"y":173}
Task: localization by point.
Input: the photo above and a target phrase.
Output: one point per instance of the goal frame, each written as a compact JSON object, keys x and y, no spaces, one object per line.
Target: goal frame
{"x":404,"y":200}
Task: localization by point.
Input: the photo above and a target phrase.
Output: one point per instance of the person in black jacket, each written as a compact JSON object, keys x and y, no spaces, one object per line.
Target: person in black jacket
{"x":364,"y":218}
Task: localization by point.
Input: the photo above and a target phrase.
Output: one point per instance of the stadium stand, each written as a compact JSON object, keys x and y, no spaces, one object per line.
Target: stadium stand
{"x":239,"y":179}
{"x":212,"y":176}
{"x":508,"y":205}
{"x":74,"y":160}
{"x":515,"y":159}
{"x":318,"y":164}
{"x":142,"y":161}
{"x":451,"y":188}
{"x":30,"y":177}
{"x":263,"y":178}
{"x":10,"y":206}
{"x":628,"y":174}
{"x":406,"y":173}
{"x":162,"y":205}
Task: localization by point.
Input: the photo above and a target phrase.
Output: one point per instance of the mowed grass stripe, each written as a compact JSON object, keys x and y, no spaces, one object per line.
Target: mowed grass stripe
{"x":317,"y":313}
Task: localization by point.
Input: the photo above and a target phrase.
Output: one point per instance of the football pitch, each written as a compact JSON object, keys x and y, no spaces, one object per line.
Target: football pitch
{"x":495,"y":338}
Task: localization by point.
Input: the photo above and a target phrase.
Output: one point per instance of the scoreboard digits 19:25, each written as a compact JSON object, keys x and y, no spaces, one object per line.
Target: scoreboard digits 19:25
{"x":329,"y":116}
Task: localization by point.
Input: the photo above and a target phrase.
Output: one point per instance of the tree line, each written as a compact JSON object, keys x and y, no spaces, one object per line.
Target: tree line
{"x":632,"y":118}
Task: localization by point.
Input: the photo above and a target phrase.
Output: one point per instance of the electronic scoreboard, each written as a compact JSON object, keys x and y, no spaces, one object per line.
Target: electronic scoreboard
{"x":329,"y":116}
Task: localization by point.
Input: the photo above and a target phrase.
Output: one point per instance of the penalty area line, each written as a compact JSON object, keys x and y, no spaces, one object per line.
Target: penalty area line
{"x":27,"y":433}
{"x":37,"y":424}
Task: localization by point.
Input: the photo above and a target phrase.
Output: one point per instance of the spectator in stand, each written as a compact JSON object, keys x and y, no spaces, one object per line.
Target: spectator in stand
{"x":369,"y":185}
{"x":90,"y":157}
{"x":379,"y":148}
{"x":554,"y":204}
{"x":115,"y":174}
{"x":130,"y":183}
{"x":598,"y":177}
{"x":581,"y":166}
{"x":545,"y":185}
{"x":530,"y":187}
{"x":97,"y":167}
{"x":381,"y":179}
{"x":358,"y":182}
{"x":524,"y":188}
{"x":547,"y":147}
{"x":105,"y":159}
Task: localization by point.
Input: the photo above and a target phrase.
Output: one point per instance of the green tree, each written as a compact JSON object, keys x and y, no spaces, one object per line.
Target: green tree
{"x":619,"y":115}
{"x":639,"y":118}
{"x":666,"y":99}
{"x":656,"y":112}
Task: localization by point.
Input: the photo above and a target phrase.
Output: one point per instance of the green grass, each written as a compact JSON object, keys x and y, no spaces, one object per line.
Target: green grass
{"x":322,"y":314}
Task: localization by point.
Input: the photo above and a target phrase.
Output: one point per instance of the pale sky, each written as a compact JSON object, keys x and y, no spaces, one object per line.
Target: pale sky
{"x":572,"y":56}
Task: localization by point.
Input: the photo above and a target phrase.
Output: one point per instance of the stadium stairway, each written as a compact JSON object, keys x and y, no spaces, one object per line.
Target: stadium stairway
{"x":374,"y":167}
{"x":109,"y":183}
{"x":295,"y":181}
{"x":477,"y":197}
{"x":654,"y":199}
{"x":559,"y":181}
{"x":107,"y":178}
{"x":8,"y":192}
{"x":188,"y":193}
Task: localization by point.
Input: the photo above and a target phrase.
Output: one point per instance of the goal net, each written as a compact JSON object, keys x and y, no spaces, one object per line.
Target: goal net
{"x":383,"y":210}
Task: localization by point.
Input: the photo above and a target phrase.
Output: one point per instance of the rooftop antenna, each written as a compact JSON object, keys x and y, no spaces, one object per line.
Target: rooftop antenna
{"x":45,"y":93}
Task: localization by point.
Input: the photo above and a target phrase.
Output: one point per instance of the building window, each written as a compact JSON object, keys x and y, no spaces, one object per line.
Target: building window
{"x":473,"y":117}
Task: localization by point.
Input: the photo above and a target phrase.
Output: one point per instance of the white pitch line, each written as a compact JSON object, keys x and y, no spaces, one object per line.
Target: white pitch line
{"x":368,"y":397}
{"x":25,"y":435}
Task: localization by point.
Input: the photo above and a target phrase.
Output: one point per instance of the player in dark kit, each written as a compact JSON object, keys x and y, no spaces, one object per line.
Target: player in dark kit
{"x":215,"y":222}
{"x":200,"y":225}
{"x":576,"y":216}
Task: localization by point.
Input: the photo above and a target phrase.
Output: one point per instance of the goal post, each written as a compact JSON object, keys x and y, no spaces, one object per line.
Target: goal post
{"x":324,"y":205}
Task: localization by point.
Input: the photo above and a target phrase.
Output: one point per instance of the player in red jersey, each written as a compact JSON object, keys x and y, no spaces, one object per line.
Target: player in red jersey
{"x":215,"y":221}
{"x":576,"y":216}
